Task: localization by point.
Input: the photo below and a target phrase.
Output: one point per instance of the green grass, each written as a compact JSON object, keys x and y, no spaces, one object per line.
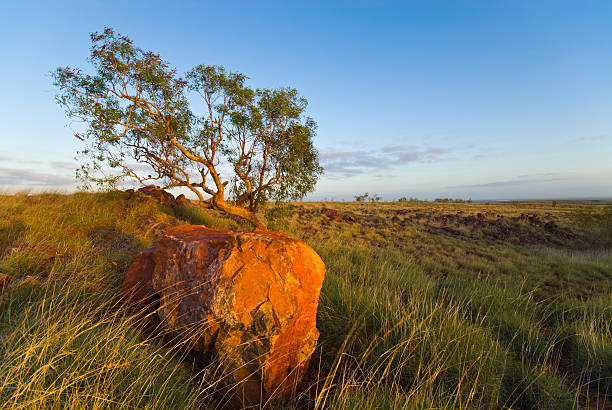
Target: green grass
{"x":413,"y":314}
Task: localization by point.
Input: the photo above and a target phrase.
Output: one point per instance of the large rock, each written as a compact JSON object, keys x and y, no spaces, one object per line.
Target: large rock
{"x":250,"y":298}
{"x":137,"y":286}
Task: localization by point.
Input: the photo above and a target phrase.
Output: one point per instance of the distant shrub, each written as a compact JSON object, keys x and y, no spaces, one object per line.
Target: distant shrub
{"x":451,"y":200}
{"x":411,"y":199}
{"x":367,"y":197}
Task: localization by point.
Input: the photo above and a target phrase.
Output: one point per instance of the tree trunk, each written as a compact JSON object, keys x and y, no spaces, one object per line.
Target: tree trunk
{"x":239,"y":211}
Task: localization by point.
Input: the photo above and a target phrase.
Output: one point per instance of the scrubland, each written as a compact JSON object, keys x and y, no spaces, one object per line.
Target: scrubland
{"x":424,"y":305}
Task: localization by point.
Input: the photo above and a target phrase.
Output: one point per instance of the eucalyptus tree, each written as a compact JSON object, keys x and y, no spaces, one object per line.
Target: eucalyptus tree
{"x":136,"y":117}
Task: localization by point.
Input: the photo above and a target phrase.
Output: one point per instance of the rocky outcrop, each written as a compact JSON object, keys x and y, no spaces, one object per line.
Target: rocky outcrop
{"x":249,"y":298}
{"x":334,"y":215}
{"x":162,"y":197}
{"x":159,"y":195}
{"x":180,"y":200}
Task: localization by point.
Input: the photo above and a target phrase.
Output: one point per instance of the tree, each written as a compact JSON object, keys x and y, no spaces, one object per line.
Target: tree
{"x":137,"y":122}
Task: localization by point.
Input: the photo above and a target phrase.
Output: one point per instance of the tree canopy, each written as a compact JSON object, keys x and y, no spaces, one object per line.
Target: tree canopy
{"x":136,"y":118}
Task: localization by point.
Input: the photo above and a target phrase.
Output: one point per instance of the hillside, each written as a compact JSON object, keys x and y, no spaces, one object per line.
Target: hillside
{"x":424,"y":305}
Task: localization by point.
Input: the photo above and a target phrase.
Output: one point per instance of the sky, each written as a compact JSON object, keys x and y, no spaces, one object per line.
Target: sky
{"x":502,"y":99}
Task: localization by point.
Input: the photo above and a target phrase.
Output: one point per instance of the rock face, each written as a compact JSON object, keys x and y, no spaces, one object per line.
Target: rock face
{"x":250,"y":298}
{"x":137,"y":286}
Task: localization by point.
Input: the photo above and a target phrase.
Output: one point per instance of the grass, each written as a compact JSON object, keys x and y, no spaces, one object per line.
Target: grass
{"x":420,"y":308}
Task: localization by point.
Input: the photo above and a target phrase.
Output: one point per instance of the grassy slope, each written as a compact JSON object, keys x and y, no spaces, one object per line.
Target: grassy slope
{"x":421,"y":312}
{"x":453,"y":316}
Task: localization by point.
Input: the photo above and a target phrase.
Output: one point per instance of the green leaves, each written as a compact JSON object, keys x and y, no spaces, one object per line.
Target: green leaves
{"x":133,"y":111}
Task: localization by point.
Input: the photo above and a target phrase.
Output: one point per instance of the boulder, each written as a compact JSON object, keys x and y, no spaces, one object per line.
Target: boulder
{"x":158,"y":194}
{"x":250,"y":298}
{"x":137,"y":287}
{"x":180,"y":200}
{"x":163,"y":197}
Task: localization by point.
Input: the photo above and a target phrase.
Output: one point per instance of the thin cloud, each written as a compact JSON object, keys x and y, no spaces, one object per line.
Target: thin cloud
{"x":19,"y":160}
{"x":512,"y":182}
{"x":63,"y":164}
{"x":438,"y":151}
{"x":394,"y":148}
{"x":547,"y":174}
{"x":345,"y":164}
{"x":13,"y":176}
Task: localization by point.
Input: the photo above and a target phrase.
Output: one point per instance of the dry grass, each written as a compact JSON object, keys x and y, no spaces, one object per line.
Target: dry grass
{"x":427,"y":312}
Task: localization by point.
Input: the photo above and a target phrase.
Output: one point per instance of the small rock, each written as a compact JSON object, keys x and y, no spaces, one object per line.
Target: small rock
{"x":27,"y":281}
{"x":15,"y":247}
{"x":550,"y":226}
{"x":5,"y":280}
{"x":47,"y":252}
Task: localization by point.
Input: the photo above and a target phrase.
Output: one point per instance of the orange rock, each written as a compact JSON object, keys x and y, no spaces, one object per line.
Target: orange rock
{"x":47,"y":252}
{"x":15,"y":247}
{"x":180,"y":200}
{"x":137,"y":288}
{"x":27,"y":281}
{"x":250,"y":298}
{"x":5,"y":280}
{"x":157,"y":194}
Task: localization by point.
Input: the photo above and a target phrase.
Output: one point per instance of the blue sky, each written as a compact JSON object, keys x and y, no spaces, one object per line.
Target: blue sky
{"x":482,"y":99}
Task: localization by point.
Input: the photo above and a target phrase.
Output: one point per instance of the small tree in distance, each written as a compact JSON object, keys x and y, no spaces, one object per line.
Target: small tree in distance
{"x":362,"y":198}
{"x":139,"y":126}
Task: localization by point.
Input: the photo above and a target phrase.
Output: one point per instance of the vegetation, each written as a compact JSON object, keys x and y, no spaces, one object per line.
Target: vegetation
{"x":138,"y":125}
{"x":424,"y":305}
{"x":367,"y":197}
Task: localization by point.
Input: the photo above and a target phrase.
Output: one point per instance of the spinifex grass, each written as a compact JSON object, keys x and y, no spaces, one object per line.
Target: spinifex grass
{"x":420,"y":313}
{"x":63,"y":350}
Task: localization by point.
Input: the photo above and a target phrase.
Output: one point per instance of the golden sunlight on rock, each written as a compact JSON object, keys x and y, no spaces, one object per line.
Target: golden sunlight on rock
{"x":250,"y":298}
